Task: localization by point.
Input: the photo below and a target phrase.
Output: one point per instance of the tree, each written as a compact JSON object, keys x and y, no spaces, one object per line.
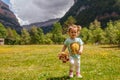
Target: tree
{"x":48,"y":38}
{"x":117,"y":27}
{"x":25,"y":37}
{"x":41,"y":36}
{"x":84,"y":34}
{"x":57,"y":33}
{"x":16,"y":37}
{"x":96,"y":33}
{"x":10,"y":39}
{"x":2,"y":31}
{"x":34,"y":35}
{"x":71,"y":20}
{"x":111,"y":33}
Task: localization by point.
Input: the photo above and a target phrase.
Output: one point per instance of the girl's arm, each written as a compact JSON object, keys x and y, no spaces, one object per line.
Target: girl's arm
{"x":64,"y":48}
{"x":81,"y":49}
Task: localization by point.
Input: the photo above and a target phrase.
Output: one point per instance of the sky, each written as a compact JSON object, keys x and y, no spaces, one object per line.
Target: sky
{"x":6,"y":1}
{"x":31,"y":11}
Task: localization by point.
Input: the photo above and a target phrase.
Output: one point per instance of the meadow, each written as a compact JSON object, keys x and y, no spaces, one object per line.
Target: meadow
{"x":40,"y":62}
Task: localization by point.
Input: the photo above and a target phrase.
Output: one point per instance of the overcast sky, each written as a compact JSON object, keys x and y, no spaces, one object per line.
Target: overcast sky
{"x":30,"y":11}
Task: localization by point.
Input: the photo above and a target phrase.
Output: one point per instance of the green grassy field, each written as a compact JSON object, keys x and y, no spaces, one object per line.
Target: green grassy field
{"x":40,"y":62}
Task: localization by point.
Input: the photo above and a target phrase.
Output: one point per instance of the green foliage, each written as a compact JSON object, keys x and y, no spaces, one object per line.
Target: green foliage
{"x":96,"y":31}
{"x":117,"y":27}
{"x":92,"y":34}
{"x":112,"y":32}
{"x":41,"y":35}
{"x":37,"y":35}
{"x":95,"y":34}
{"x":12,"y":37}
{"x":57,"y":28}
{"x":2,"y":31}
{"x":71,"y":20}
{"x":16,"y":36}
{"x":48,"y":38}
{"x":34,"y":35}
{"x":117,"y":3}
{"x":84,"y":34}
{"x":25,"y":37}
{"x":57,"y":36}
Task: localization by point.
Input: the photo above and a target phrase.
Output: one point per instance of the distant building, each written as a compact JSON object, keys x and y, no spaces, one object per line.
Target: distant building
{"x":1,"y":41}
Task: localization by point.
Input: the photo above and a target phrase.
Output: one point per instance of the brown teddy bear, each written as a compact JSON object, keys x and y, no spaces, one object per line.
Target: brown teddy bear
{"x":64,"y":57}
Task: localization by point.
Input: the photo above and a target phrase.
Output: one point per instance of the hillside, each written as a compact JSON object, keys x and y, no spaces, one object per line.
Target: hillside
{"x":46,"y":25}
{"x":86,"y":11}
{"x":7,"y":17}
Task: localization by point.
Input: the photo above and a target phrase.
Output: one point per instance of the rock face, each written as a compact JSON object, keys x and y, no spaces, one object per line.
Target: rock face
{"x":86,"y":11}
{"x":7,"y":17}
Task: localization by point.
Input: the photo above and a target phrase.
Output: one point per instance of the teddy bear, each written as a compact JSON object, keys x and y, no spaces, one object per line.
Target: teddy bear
{"x":75,"y":47}
{"x":63,"y":57}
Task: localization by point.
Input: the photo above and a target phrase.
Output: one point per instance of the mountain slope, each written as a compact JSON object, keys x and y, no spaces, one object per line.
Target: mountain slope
{"x":46,"y":25}
{"x":86,"y":11}
{"x":7,"y":17}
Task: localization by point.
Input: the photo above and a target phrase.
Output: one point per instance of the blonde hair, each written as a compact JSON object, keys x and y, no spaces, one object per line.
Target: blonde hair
{"x":74,"y":26}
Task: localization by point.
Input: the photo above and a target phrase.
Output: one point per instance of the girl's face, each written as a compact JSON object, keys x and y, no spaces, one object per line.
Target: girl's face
{"x":73,"y":33}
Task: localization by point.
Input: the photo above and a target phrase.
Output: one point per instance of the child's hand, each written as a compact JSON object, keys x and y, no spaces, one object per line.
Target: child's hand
{"x":80,"y":52}
{"x":64,"y":57}
{"x":60,"y":54}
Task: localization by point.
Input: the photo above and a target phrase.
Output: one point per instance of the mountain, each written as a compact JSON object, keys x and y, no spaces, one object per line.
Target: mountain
{"x":46,"y":25}
{"x":7,"y":17}
{"x":86,"y":11}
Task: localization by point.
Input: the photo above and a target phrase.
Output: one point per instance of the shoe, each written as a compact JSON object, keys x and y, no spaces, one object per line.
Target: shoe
{"x":71,"y":74}
{"x":79,"y":75}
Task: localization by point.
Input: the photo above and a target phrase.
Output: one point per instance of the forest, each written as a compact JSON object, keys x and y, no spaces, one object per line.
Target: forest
{"x":92,"y":34}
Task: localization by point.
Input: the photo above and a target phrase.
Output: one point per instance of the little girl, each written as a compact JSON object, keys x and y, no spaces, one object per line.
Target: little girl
{"x":75,"y":48}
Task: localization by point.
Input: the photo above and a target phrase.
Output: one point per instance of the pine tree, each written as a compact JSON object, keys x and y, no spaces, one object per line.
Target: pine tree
{"x":41,"y":36}
{"x":117,"y":27}
{"x":16,"y":37}
{"x":111,"y":33}
{"x":10,"y":36}
{"x":25,"y":37}
{"x":71,"y":20}
{"x":84,"y":34}
{"x":3,"y":31}
{"x":57,"y":33}
{"x":34,"y":35}
{"x":96,"y":34}
{"x":48,"y":38}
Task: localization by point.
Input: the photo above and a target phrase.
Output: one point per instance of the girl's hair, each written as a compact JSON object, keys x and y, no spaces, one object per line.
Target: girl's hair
{"x":74,"y":26}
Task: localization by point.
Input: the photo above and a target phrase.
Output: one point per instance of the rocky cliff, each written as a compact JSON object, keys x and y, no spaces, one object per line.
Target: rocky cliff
{"x":7,"y":17}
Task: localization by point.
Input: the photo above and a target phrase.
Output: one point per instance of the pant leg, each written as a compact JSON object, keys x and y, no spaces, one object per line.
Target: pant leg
{"x":77,"y":65}
{"x":72,"y":63}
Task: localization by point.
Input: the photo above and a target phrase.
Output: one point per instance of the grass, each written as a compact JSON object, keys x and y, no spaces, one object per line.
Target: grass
{"x":40,"y":62}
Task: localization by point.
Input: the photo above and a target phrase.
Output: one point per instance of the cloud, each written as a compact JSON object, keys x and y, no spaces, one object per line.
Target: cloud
{"x":30,"y":11}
